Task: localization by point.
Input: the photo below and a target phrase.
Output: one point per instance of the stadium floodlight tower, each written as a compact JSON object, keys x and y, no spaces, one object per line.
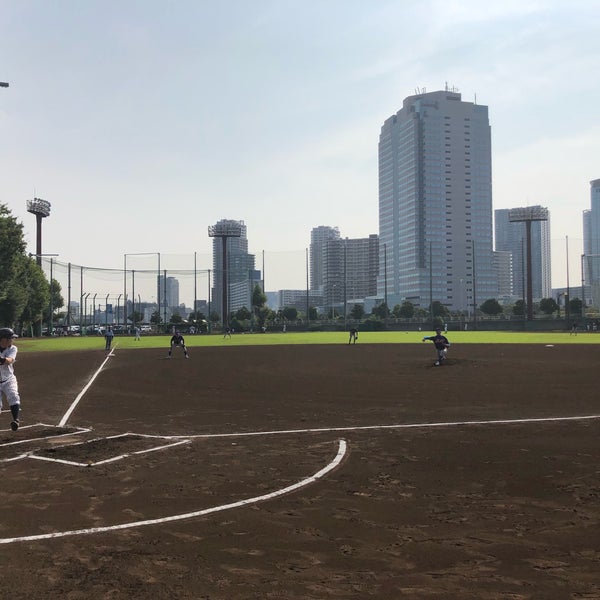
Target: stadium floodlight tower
{"x":527,"y":215}
{"x":224,"y":230}
{"x":41,"y":209}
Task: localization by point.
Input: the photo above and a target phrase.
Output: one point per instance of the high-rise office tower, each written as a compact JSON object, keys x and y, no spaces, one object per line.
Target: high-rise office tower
{"x":512,"y":237}
{"x":591,"y":241}
{"x":319,"y":236}
{"x":435,"y":203}
{"x":350,"y":270}
{"x":169,"y":296}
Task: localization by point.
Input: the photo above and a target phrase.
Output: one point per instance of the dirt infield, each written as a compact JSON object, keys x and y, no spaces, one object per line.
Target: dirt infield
{"x":470,"y":480}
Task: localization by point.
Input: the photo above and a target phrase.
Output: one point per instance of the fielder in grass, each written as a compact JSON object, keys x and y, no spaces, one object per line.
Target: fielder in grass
{"x":441,"y":344}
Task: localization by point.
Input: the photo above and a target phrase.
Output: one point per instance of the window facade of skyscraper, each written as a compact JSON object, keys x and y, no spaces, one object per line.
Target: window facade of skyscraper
{"x":435,"y":203}
{"x":350,"y":270}
{"x":591,"y":242}
{"x":319,"y":236}
{"x":511,"y":237}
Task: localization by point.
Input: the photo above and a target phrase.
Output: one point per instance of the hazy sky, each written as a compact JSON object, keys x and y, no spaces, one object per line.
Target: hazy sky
{"x":143,"y":122}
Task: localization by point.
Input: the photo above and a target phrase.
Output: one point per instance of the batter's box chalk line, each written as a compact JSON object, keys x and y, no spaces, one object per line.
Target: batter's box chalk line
{"x":171,"y":444}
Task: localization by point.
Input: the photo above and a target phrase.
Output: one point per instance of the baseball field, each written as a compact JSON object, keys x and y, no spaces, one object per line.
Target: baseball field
{"x":270,"y":467}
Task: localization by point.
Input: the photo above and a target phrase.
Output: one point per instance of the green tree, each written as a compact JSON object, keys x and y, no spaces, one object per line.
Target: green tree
{"x":407,"y":310}
{"x":137,"y":317}
{"x":259,"y":307}
{"x":243,"y":314}
{"x":290,"y":313}
{"x":548,"y":306}
{"x":313,"y":315}
{"x":438,"y":309}
{"x":13,"y":289}
{"x":27,"y":296}
{"x":519,"y":308}
{"x":155,"y":318}
{"x":575,"y":306}
{"x":491,"y":307}
{"x":381,"y":310}
{"x":56,"y":300}
{"x":357,"y":312}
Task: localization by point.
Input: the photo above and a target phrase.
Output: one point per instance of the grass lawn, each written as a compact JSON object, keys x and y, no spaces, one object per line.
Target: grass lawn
{"x":339,"y":337}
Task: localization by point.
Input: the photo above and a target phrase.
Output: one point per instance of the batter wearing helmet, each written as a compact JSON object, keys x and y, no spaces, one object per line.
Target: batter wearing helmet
{"x":8,"y":381}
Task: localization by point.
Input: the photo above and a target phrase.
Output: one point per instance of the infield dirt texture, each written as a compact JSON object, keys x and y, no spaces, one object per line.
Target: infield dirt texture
{"x":447,"y":509}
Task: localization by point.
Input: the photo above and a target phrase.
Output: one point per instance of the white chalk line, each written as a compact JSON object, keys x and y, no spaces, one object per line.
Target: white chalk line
{"x":63,"y":421}
{"x":396,"y":426}
{"x":342,"y":448}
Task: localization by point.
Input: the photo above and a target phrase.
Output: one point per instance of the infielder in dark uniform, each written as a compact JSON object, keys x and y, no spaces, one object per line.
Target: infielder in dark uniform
{"x":353,"y":335}
{"x":441,"y":344}
{"x":8,"y":381}
{"x":177,"y":341}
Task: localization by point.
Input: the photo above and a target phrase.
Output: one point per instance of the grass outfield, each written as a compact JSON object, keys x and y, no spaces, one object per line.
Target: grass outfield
{"x":339,"y":337}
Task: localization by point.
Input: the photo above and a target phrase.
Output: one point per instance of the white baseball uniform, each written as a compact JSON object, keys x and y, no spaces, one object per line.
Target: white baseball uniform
{"x":8,"y":382}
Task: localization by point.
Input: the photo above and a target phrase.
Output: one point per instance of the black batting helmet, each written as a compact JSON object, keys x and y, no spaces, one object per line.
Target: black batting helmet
{"x":7,"y":333}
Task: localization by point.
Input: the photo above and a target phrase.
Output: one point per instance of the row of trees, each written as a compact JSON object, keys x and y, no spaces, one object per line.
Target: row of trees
{"x":25,"y":293}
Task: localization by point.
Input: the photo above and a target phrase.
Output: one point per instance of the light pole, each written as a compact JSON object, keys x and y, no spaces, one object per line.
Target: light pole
{"x":118,"y":307}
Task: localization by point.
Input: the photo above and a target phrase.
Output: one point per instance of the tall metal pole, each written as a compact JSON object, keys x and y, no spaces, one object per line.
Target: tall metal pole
{"x":307,"y":293}
{"x":582,"y":290}
{"x":568,"y":303}
{"x":165,"y":297}
{"x":133,"y":297}
{"x":69,"y":295}
{"x":431,"y":285}
{"x":209,"y":321}
{"x":125,"y":292}
{"x":51,"y":303}
{"x":385,"y":289}
{"x":195,"y":287}
{"x":158,"y":294}
{"x":529,"y":273}
{"x":224,"y":299}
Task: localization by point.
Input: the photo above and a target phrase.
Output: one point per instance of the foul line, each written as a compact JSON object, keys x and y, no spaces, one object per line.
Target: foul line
{"x":199,"y":513}
{"x":63,"y":421}
{"x":397,"y":426}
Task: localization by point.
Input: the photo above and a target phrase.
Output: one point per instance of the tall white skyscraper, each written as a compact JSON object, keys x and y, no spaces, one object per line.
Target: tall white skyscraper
{"x":435,"y":203}
{"x":591,"y":241}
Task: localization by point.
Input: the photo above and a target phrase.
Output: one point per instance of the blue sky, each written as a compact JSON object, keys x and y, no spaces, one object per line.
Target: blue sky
{"x":143,"y":122}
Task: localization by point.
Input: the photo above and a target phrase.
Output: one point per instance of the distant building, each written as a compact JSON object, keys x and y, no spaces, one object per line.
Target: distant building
{"x":319,"y":237}
{"x":298,"y":299}
{"x":350,"y":269}
{"x":169,"y":294}
{"x":503,"y":269}
{"x":435,"y":202}
{"x":591,"y":242}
